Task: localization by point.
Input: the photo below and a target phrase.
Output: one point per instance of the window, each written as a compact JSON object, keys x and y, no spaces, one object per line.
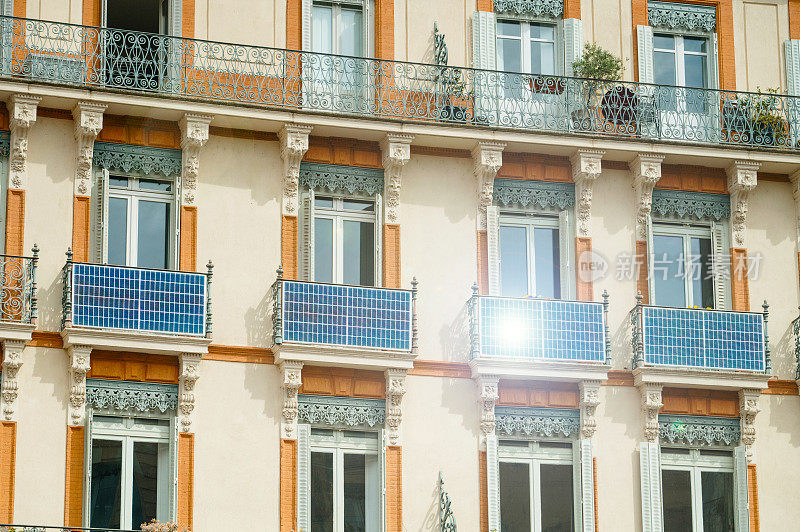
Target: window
{"x":530,"y":256}
{"x":344,"y":240}
{"x":345,"y":481}
{"x":682,"y":266}
{"x":140,"y":216}
{"x":526,"y":47}
{"x":681,"y":60}
{"x":337,"y":28}
{"x":536,"y":487}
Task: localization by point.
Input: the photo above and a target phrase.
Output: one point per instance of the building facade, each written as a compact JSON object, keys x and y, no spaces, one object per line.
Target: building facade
{"x":451,"y":282}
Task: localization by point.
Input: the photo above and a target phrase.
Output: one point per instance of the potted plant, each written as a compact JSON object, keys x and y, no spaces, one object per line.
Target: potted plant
{"x":755,"y":118}
{"x":455,"y":107}
{"x":597,"y":65}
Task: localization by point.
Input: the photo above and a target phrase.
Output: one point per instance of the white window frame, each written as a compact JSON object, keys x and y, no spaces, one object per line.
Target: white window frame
{"x":530,"y":222}
{"x":337,"y":7}
{"x":679,"y":53}
{"x":686,"y":232}
{"x":368,"y":29}
{"x":525,"y":38}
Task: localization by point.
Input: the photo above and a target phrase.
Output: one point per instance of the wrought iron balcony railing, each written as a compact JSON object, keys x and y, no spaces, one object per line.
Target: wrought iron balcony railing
{"x":18,"y":301}
{"x":700,"y":338}
{"x":342,"y":315}
{"x":539,"y":329}
{"x":44,"y":528}
{"x":102,"y":296}
{"x":91,"y":57}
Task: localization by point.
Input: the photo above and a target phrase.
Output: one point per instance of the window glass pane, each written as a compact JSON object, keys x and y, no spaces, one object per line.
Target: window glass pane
{"x":676,"y":491}
{"x":543,"y":58}
{"x":556,"y":496}
{"x":145,"y":483}
{"x":359,"y":253}
{"x":323,"y":250}
{"x":509,"y":55}
{"x":699,"y":268}
{"x":117,"y":231}
{"x":547,"y":267}
{"x":663,"y":42}
{"x":106,"y":490}
{"x":116,"y":181}
{"x":361,"y":206}
{"x":322,"y":492}
{"x":695,"y":74}
{"x":322,"y":29}
{"x":513,"y":261}
{"x":352,"y":32}
{"x":668,"y":279}
{"x":695,"y":44}
{"x":153,"y":184}
{"x":323,"y":203}
{"x":153,"y":235}
{"x":515,"y":497}
{"x":717,"y":501}
{"x":354,"y":493}
{"x":664,"y":68}
{"x":543,"y":31}
{"x":506,"y":27}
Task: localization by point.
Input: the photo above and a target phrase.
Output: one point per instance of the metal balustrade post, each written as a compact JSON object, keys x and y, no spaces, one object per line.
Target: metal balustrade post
{"x":447,"y":520}
{"x":796,"y":330}
{"x":636,"y":339}
{"x":414,"y":328}
{"x":34,"y":312}
{"x":767,"y":357}
{"x":209,"y":276}
{"x":277,"y":308}
{"x":606,"y":327}
{"x":66,"y":298}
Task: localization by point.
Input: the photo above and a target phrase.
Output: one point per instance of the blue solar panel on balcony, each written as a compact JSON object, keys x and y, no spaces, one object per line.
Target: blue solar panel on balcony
{"x":346,"y":315}
{"x":706,"y":339}
{"x":115,"y":297}
{"x":538,"y":328}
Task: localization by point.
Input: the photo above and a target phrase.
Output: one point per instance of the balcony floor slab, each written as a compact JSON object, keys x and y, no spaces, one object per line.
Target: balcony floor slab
{"x":551,"y":370}
{"x":343,"y":357}
{"x":136,"y":342}
{"x":700,"y":378}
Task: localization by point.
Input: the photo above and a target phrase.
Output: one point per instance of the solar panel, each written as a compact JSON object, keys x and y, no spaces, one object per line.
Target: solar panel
{"x":541,"y":328}
{"x":709,"y":339}
{"x":115,"y":297}
{"x":351,"y":316}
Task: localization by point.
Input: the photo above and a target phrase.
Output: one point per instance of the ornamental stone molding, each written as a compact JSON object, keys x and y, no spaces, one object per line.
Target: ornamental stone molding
{"x":748,"y":410}
{"x":487,"y":158}
{"x":586,"y":168}
{"x":396,"y":152}
{"x":534,"y":194}
{"x":395,"y":390}
{"x":488,"y":394}
{"x":9,"y":389}
{"x":132,"y":397}
{"x":294,"y":145}
{"x":189,"y":373}
{"x":530,"y":8}
{"x":194,"y":135}
{"x":542,"y":422}
{"x":130,"y":158}
{"x":291,"y":379}
{"x":79,"y":365}
{"x":341,"y":411}
{"x":683,"y":17}
{"x":651,"y":404}
{"x":335,"y":177}
{"x":22,"y":115}
{"x":589,"y":401}
{"x":696,"y":205}
{"x":698,"y":430}
{"x":646,"y":170}
{"x":88,"y":119}
{"x":742,"y":179}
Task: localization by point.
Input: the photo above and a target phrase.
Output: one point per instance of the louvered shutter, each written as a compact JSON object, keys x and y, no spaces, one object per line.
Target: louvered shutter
{"x":366,"y":41}
{"x":87,"y":465}
{"x":484,"y":57}
{"x":586,"y":464}
{"x":493,"y":248}
{"x":644,"y":48}
{"x":573,"y":43}
{"x":378,"y":240}
{"x":565,"y":251}
{"x":304,"y":476}
{"x":173,"y":467}
{"x":493,"y":481}
{"x":307,"y":240}
{"x":382,"y":473}
{"x":651,"y":252}
{"x":176,"y":223}
{"x":714,"y":66}
{"x":100,"y":216}
{"x":741,"y":502}
{"x":306,"y":24}
{"x":792,"y":50}
{"x":719,"y":239}
{"x":650,"y":470}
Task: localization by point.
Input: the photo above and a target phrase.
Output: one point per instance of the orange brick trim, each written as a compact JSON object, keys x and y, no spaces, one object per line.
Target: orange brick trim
{"x":288,"y":494}
{"x":73,"y":497}
{"x":391,"y":256}
{"x":343,"y":382}
{"x":244,"y":133}
{"x":294,"y":24}
{"x":535,"y":166}
{"x":188,"y":239}
{"x":436,"y":368}
{"x":20,"y":8}
{"x":538,"y":394}
{"x":697,"y":402}
{"x":483,"y":492}
{"x":185,"y":480}
{"x":136,"y":367}
{"x":619,"y":378}
{"x":794,"y":19}
{"x":91,"y":12}
{"x":15,"y":222}
{"x":384,"y":29}
{"x":140,"y":132}
{"x":232,"y":353}
{"x":46,"y":339}
{"x":483,"y":263}
{"x":752,"y":495}
{"x":572,"y":8}
{"x":486,"y":5}
{"x":642,"y":285}
{"x":50,"y":112}
{"x":594,"y":478}
{"x":781,"y":387}
{"x":188,"y":19}
{"x":8,"y":460}
{"x":289,"y":249}
{"x":740,"y":285}
{"x":693,"y":178}
{"x":443,"y":152}
{"x":394,"y":488}
{"x":583,"y":280}
{"x":346,"y":152}
{"x":80,"y":228}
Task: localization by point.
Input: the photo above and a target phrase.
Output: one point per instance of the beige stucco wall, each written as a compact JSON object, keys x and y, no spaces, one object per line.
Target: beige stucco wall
{"x":414,"y":21}
{"x":245,"y":22}
{"x":760,"y":29}
{"x":609,"y":24}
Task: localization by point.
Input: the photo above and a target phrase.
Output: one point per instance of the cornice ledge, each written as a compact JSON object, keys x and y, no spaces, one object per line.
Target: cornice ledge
{"x":506,"y":368}
{"x":344,"y":357}
{"x":700,"y":378}
{"x":16,"y":331}
{"x":133,"y":341}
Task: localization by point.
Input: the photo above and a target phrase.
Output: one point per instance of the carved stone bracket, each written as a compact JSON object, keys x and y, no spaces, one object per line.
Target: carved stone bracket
{"x":488,"y":393}
{"x":88,"y":118}
{"x":586,"y":168}
{"x":748,"y":410}
{"x":395,"y":390}
{"x":194,"y":135}
{"x":190,"y":372}
{"x":742,"y":179}
{"x":646,"y":170}
{"x":487,"y":158}
{"x":79,"y":365}
{"x":396,"y":150}
{"x":651,"y":404}
{"x":291,"y":379}
{"x":589,"y":401}
{"x":22,"y":115}
{"x":12,"y":361}
{"x":294,"y":145}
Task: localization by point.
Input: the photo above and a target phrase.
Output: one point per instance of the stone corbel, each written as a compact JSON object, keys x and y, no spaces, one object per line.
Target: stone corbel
{"x":190,"y":372}
{"x":646,"y":170}
{"x":395,"y":390}
{"x":586,"y":168}
{"x":79,"y":365}
{"x":194,"y":135}
{"x":742,"y":179}
{"x":291,"y":379}
{"x":487,"y":158}
{"x":12,"y":361}
{"x":651,"y":405}
{"x":294,"y":145}
{"x":748,"y":410}
{"x":488,"y":394}
{"x":22,"y":115}
{"x":396,"y":150}
{"x":589,"y":401}
{"x":88,"y":118}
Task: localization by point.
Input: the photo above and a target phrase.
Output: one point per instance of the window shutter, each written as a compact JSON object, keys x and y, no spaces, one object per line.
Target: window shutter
{"x":719,"y":236}
{"x":493,"y":245}
{"x":493,"y":481}
{"x":573,"y":43}
{"x":100,"y":216}
{"x":176,"y":18}
{"x":368,"y":49}
{"x":565,"y":247}
{"x":307,"y":241}
{"x":304,"y":476}
{"x":792,"y":50}
{"x":714,"y":67}
{"x":306,"y":25}
{"x":87,"y":466}
{"x":378,"y":240}
{"x":173,"y":466}
{"x":741,"y":503}
{"x":176,"y":223}
{"x":382,"y":471}
{"x":645,"y":53}
{"x":651,"y":295}
{"x":484,"y":40}
{"x":650,"y":469}
{"x":586,"y":464}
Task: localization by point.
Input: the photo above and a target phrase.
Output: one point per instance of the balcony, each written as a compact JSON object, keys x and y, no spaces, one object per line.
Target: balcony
{"x":91,"y":57}
{"x":18,"y":302}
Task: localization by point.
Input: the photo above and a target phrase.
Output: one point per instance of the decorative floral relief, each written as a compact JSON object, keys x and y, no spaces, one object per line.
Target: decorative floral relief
{"x":691,"y":204}
{"x":699,"y":430}
{"x":351,"y":179}
{"x":534,"y":193}
{"x":682,"y":16}
{"x":126,"y":395}
{"x":537,"y":421}
{"x":534,"y":8}
{"x":341,"y":411}
{"x":142,"y":159}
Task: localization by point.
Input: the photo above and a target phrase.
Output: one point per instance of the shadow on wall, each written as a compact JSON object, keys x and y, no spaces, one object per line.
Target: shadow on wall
{"x":50,"y":304}
{"x":621,"y":350}
{"x":783,"y":414}
{"x":431,"y":521}
{"x":455,"y":338}
{"x":257,"y":322}
{"x":782,"y":354}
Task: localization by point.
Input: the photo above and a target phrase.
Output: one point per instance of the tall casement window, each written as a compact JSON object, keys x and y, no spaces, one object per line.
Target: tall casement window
{"x":130,"y":454}
{"x":341,"y":224}
{"x":340,"y":464}
{"x":689,"y":260}
{"x":681,"y":60}
{"x":135,"y":205}
{"x":529,"y":235}
{"x":527,"y":47}
{"x":338,"y":27}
